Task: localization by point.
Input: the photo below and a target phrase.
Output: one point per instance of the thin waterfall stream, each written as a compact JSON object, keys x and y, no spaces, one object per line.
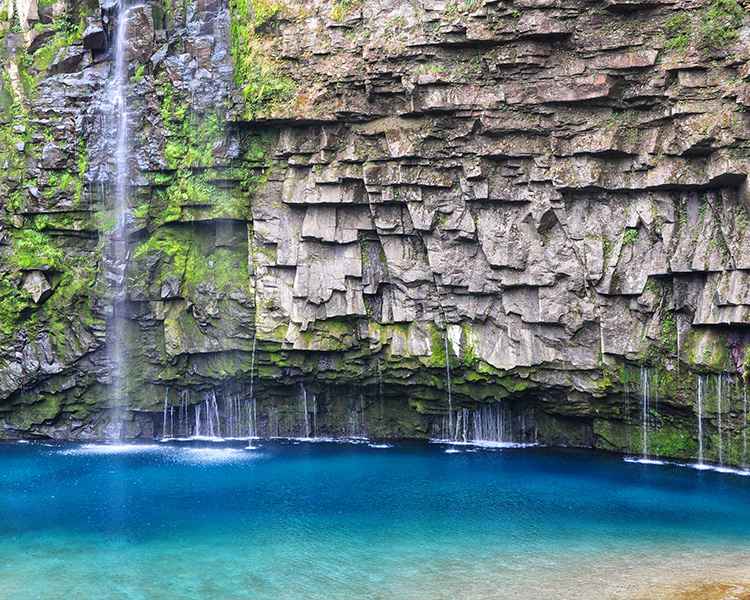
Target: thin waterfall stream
{"x":700,"y":419}
{"x":116,"y":111}
{"x":645,"y":398}
{"x":448,"y":378}
{"x":305,"y":414}
{"x":744,"y":425}
{"x":252,"y":429}
{"x":719,"y":398}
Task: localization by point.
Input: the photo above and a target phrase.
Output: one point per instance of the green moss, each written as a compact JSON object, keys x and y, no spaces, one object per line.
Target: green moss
{"x":677,"y":31}
{"x":630,"y":236}
{"x":193,"y":258}
{"x":13,"y":303}
{"x":672,"y":441}
{"x":720,"y":23}
{"x":265,"y":86}
{"x":33,"y":249}
{"x":669,"y":333}
{"x":613,"y":434}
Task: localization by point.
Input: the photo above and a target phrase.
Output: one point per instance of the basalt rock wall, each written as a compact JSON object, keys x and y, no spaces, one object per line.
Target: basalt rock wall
{"x":348,"y":200}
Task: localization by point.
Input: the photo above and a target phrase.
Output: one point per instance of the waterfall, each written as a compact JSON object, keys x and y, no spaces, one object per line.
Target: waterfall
{"x":214,"y":416}
{"x":252,"y":363}
{"x":493,"y":424}
{"x":305,"y":414}
{"x":744,"y":425}
{"x":116,"y":117}
{"x":362,"y":415}
{"x":183,"y":414}
{"x":448,"y":377}
{"x":700,"y":419}
{"x":380,"y":388}
{"x":164,"y":423}
{"x":252,"y":417}
{"x":645,"y":398}
{"x":626,"y":410}
{"x":273,"y":421}
{"x":718,"y":412}
{"x":252,"y":427}
{"x":207,"y":417}
{"x":119,"y":90}
{"x":315,"y":416}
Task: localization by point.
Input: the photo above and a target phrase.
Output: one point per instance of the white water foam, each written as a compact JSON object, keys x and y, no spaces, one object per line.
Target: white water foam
{"x":645,"y":461}
{"x":483,"y":444}
{"x":697,"y":466}
{"x":112,"y":449}
{"x":213,"y":456}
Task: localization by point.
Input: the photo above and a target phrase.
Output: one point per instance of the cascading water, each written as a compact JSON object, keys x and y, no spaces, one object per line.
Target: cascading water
{"x":207,"y":417}
{"x":183,"y":413}
{"x":380,"y":388}
{"x":700,"y":419}
{"x":116,"y":238}
{"x":305,"y":414}
{"x":744,"y":425}
{"x":493,"y":424}
{"x":252,"y":419}
{"x":252,"y":430}
{"x":164,"y":422}
{"x":719,"y":398}
{"x":448,"y":378}
{"x":645,"y":399}
{"x":315,"y":416}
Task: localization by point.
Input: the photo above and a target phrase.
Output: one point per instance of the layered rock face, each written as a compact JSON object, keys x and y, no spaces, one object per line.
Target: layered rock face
{"x":334,"y":205}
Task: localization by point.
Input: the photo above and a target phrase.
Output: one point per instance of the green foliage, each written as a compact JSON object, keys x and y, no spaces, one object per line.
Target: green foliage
{"x":677,"y":31}
{"x":172,"y":111}
{"x":192,"y":189}
{"x":630,"y":236}
{"x":260,"y":76}
{"x":192,"y":142}
{"x":194,"y":259}
{"x":13,"y":302}
{"x":140,"y":72}
{"x":31,"y":250}
{"x":34,"y":249}
{"x":261,"y":11}
{"x":720,"y":23}
{"x":717,"y":26}
{"x":669,"y":333}
{"x":65,"y":25}
{"x":672,"y":441}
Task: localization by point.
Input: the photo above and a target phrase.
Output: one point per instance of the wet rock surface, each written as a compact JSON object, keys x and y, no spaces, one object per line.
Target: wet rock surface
{"x":336,"y":193}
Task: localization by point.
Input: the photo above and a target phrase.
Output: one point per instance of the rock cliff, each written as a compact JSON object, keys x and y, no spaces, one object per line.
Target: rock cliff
{"x":398,"y":212}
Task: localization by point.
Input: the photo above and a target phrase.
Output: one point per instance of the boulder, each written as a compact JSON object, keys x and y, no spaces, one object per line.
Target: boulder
{"x":37,"y":286}
{"x":53,"y":157}
{"x":139,"y":36}
{"x":28,"y":13}
{"x":94,"y":37}
{"x":67,"y":60}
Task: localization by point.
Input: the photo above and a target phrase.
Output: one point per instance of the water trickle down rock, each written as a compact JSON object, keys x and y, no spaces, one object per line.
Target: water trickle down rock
{"x":570,"y":219}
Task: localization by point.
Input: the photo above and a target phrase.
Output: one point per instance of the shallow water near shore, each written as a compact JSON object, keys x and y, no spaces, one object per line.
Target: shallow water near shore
{"x":299,"y":520}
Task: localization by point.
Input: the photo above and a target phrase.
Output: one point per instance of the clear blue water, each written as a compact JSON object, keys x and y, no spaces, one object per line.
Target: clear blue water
{"x":334,"y":521}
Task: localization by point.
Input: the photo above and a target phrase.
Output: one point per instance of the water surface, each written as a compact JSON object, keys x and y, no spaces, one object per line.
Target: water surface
{"x":341,"y":521}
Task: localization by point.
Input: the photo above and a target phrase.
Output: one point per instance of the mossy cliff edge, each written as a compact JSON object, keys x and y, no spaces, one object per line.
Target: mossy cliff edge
{"x":340,"y":198}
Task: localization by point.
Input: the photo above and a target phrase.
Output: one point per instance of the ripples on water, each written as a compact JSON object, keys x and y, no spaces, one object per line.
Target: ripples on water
{"x":299,"y":520}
